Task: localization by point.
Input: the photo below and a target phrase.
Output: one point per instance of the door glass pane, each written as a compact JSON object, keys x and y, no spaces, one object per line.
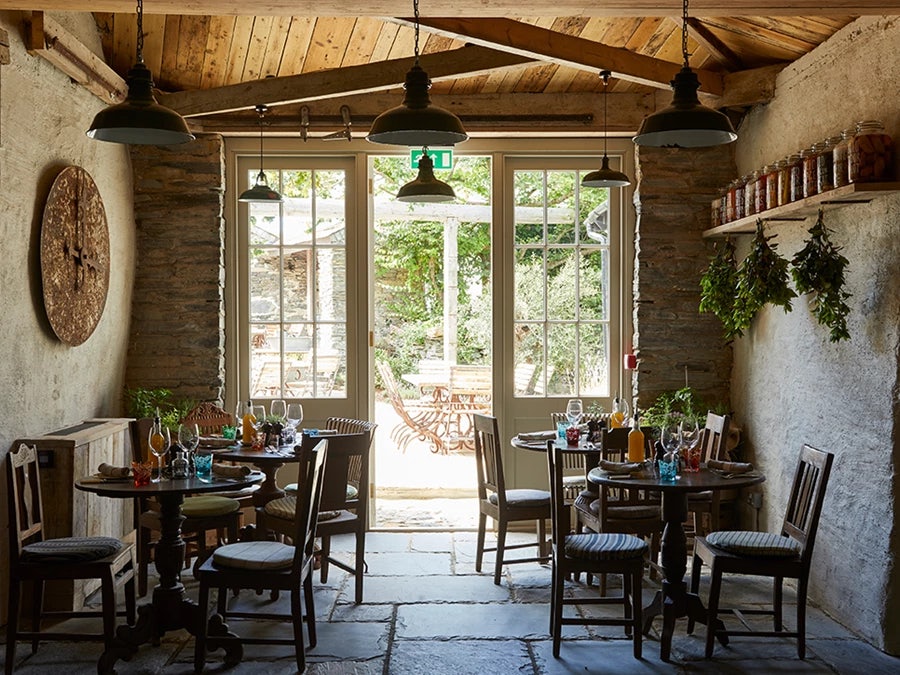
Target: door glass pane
{"x":562,"y":189}
{"x":265,"y":361}
{"x":265,"y":291}
{"x":593,"y":346}
{"x":528,"y":207}
{"x":593,"y":291}
{"x":331,"y":284}
{"x":561,"y":351}
{"x":562,"y":284}
{"x":296,"y":279}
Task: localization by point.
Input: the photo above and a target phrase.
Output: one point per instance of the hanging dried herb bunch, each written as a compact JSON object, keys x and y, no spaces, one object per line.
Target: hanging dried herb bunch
{"x":818,"y":269}
{"x":762,"y":278}
{"x":718,"y":286}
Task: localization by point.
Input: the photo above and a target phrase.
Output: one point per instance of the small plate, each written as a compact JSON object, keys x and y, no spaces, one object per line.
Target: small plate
{"x":216,"y":443}
{"x":112,"y":479}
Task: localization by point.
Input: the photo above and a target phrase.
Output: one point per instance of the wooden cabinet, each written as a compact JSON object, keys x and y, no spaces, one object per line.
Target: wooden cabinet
{"x":68,"y":454}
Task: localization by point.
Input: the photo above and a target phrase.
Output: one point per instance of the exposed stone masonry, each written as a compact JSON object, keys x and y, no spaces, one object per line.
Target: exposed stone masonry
{"x":674,"y":190}
{"x":177,"y":324}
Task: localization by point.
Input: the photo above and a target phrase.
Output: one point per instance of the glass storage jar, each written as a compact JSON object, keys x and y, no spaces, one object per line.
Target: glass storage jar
{"x":715,"y":212}
{"x":729,"y":202}
{"x":796,"y":183}
{"x":739,"y":210}
{"x":784,"y":181}
{"x":810,"y":171}
{"x":840,"y":160}
{"x":750,"y":193}
{"x":825,"y":164}
{"x":772,"y":185}
{"x":761,"y":194}
{"x":870,"y":153}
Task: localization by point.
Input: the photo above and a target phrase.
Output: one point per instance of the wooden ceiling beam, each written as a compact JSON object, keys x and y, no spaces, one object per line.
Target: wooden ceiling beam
{"x":351,"y":80}
{"x":708,"y":40}
{"x":472,"y":8}
{"x":566,"y":50}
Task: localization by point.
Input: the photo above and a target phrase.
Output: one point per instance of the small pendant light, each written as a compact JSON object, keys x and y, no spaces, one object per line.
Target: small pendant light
{"x":140,"y":119}
{"x":604,"y":177}
{"x":261,"y":192}
{"x":417,"y":122}
{"x":686,"y":123}
{"x":426,"y":188}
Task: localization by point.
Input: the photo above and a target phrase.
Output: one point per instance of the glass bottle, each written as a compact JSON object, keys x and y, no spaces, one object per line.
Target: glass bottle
{"x":715,"y":213}
{"x":772,"y":185}
{"x":869,"y":153}
{"x":635,"y":441}
{"x":825,"y":164}
{"x":784,"y":182}
{"x":750,"y":193}
{"x":180,"y":466}
{"x":248,"y":419}
{"x":796,"y":164}
{"x":761,"y":203}
{"x":619,"y":413}
{"x":840,"y":157}
{"x":810,"y":171}
{"x":740,"y":187}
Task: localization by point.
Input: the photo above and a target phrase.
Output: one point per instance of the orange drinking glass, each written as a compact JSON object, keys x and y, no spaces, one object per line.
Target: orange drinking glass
{"x":142,"y":472}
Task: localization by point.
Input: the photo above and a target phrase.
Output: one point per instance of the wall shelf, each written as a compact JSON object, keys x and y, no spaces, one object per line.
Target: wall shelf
{"x":856,"y":193}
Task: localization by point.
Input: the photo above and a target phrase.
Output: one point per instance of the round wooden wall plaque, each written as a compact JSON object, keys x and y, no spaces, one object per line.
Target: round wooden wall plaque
{"x":74,"y":256}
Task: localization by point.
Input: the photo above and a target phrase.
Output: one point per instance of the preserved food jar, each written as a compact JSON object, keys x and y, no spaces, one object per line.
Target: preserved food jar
{"x":739,"y":210}
{"x":870,"y":153}
{"x":825,"y":164}
{"x":729,"y":202}
{"x":715,"y":212}
{"x":772,"y":185}
{"x":784,"y":181}
{"x":840,"y":160}
{"x":761,"y":203}
{"x":750,"y":194}
{"x":810,"y":171}
{"x":796,"y":165}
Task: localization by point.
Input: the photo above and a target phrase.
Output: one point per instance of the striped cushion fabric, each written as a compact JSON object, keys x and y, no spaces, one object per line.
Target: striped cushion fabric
{"x":573,"y":481}
{"x":71,"y":549}
{"x":285,"y":508}
{"x":255,"y":555}
{"x":604,"y":546}
{"x":524,"y":498}
{"x":636,"y":511}
{"x":205,"y":506}
{"x":352,"y":492}
{"x":762,"y":544}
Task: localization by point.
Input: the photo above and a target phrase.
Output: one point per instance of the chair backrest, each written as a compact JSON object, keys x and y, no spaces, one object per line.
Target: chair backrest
{"x":559,"y":513}
{"x":347,"y":425}
{"x":557,"y":417}
{"x":313,"y":461}
{"x":26,"y":509}
{"x":614,"y":447}
{"x":209,"y":418}
{"x":614,"y":443}
{"x":801,"y":520}
{"x":489,"y":458}
{"x":713,"y":437}
{"x":344,"y":451}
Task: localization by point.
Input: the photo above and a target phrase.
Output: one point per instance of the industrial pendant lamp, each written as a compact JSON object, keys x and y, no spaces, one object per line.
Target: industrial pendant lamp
{"x":417,"y":122}
{"x":686,"y":123}
{"x":604,"y":177}
{"x":139,"y":119}
{"x":426,"y":188}
{"x":261,"y":192}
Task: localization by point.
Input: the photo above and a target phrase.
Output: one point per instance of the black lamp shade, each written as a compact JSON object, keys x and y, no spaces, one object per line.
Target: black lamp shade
{"x":417,"y":122}
{"x":686,"y":123}
{"x":604,"y":177}
{"x":139,"y":119}
{"x":261,"y":192}
{"x":426,"y":188}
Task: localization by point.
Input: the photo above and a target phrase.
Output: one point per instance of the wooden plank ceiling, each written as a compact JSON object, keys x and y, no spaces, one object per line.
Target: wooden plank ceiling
{"x":189,"y":53}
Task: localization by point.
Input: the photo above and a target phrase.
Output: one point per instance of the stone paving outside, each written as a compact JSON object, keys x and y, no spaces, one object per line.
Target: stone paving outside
{"x":426,"y":610}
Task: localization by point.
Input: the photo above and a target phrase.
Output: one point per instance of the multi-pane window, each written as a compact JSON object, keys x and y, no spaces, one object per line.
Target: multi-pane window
{"x":562,"y":285}
{"x":297,"y":262}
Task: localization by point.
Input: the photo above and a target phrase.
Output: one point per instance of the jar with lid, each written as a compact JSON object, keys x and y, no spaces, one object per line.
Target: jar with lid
{"x":750,"y":193}
{"x":870,"y":153}
{"x":840,"y":159}
{"x":784,"y":181}
{"x":715,"y":212}
{"x":740,"y":185}
{"x":772,"y":185}
{"x":810,"y":171}
{"x":761,"y":203}
{"x":825,"y":164}
{"x":729,"y":202}
{"x":796,"y":165}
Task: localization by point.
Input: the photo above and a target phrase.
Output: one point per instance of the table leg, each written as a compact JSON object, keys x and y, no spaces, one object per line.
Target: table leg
{"x":268,"y":489}
{"x":170,"y":609}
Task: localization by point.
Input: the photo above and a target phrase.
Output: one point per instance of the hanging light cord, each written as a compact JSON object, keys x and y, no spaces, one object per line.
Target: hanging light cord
{"x":416,"y":16}
{"x":261,"y":177}
{"x":684,"y":33}
{"x":605,"y":75}
{"x":140,"y":31}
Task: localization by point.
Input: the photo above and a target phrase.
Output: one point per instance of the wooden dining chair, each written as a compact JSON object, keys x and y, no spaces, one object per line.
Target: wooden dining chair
{"x":504,"y":506}
{"x":784,"y":555}
{"x":574,"y":468}
{"x":593,"y":553}
{"x":272,"y":565}
{"x":710,"y":503}
{"x":32,"y":558}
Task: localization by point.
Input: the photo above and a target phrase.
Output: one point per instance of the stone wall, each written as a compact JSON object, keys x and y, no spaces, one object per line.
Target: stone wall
{"x":672,"y":199}
{"x":177,"y":322}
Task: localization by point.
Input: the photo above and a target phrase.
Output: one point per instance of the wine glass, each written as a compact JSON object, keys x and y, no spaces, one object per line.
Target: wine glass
{"x":189,"y":439}
{"x":158,"y":441}
{"x":574,"y":410}
{"x":278,"y":408}
{"x":690,"y":439}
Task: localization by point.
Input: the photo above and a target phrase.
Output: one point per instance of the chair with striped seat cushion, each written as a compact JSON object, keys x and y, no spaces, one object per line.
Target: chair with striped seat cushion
{"x":271,"y":565}
{"x":504,"y":506}
{"x":592,"y":553}
{"x":37,"y":560}
{"x":204,"y":506}
{"x":784,"y":555}
{"x":285,"y":508}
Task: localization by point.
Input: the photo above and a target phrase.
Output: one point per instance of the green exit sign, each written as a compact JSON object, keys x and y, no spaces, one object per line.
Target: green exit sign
{"x":443,"y":159}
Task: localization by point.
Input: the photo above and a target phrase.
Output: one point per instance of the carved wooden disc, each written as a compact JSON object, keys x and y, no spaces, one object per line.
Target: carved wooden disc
{"x":74,"y":256}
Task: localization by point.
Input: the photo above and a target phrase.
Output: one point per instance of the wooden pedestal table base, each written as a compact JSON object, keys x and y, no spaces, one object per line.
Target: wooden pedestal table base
{"x":170,"y":608}
{"x":673,"y":601}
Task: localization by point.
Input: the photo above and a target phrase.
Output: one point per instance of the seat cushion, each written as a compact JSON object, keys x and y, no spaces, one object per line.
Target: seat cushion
{"x":205,"y":506}
{"x":285,"y":508}
{"x":573,"y":482}
{"x":255,"y":555}
{"x":604,"y":546}
{"x":71,"y":549}
{"x":635,"y":512}
{"x":352,"y":492}
{"x":524,"y":498}
{"x":759,"y":544}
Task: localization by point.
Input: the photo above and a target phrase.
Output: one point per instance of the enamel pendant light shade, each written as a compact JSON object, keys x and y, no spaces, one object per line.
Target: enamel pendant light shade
{"x":685,"y":123}
{"x":140,"y":119}
{"x":604,"y":177}
{"x":417,"y":122}
{"x":261,"y":192}
{"x":426,"y":188}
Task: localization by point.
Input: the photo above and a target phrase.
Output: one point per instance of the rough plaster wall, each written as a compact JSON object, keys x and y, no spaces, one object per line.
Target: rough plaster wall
{"x":44,"y":384}
{"x":790,"y":384}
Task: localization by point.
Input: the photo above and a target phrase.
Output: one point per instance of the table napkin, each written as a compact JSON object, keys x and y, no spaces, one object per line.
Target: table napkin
{"x":537,"y":435}
{"x":111,"y":471}
{"x":225,"y":471}
{"x":729,"y":467}
{"x":618,"y":468}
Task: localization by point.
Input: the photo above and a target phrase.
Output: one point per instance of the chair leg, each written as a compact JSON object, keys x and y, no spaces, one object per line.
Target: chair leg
{"x":37,"y":606}
{"x":130,"y":599}
{"x":200,"y":637}
{"x":777,"y":603}
{"x":222,"y":601}
{"x":715,"y":587}
{"x":360,"y":563}
{"x":636,"y":602}
{"x":501,"y":545}
{"x":801,"y":616}
{"x":627,"y":595}
{"x":297,"y":623}
{"x":696,"y":565}
{"x":12,"y":623}
{"x":143,"y":554}
{"x":542,"y":537}
{"x":326,"y":551}
{"x":479,"y":545}
{"x":108,"y":597}
{"x":556,"y":608}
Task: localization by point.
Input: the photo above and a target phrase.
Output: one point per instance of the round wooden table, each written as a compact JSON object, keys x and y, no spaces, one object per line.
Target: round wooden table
{"x":170,"y":608}
{"x":268,"y":462}
{"x":674,"y":601}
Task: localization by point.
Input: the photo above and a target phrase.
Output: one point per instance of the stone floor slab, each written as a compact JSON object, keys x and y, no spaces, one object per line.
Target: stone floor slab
{"x":433,"y":589}
{"x":460,"y":657}
{"x":488,"y":621}
{"x":612,"y":657}
{"x":410,"y":563}
{"x":853,"y":656}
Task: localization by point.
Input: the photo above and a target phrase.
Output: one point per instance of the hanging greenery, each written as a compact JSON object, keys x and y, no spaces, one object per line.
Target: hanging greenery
{"x":762,"y":278}
{"x":718,"y":287}
{"x":818,"y":269}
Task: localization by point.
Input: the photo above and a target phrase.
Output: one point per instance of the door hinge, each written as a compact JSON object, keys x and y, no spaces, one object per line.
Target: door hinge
{"x":371,"y":338}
